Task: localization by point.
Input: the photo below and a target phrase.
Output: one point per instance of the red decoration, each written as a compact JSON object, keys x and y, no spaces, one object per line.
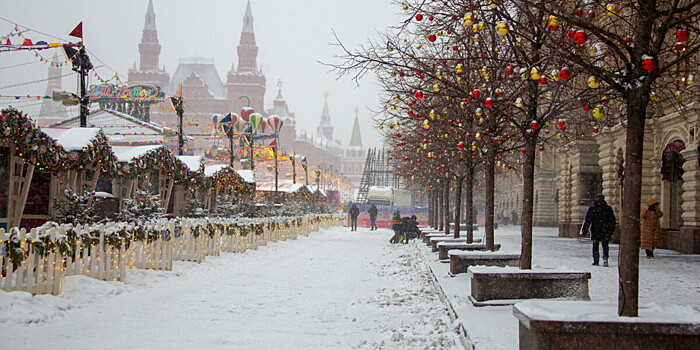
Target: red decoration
{"x":565,"y":73}
{"x":489,"y":102}
{"x":534,"y":125}
{"x":460,"y":145}
{"x":419,"y":17}
{"x":476,"y":93}
{"x":595,"y":130}
{"x":586,"y":108}
{"x":680,"y":46}
{"x":419,"y":95}
{"x":580,"y":37}
{"x":543,"y":81}
{"x":432,"y":37}
{"x":682,"y":35}
{"x":648,"y":63}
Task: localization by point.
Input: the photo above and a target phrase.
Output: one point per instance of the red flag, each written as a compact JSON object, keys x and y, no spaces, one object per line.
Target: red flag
{"x":273,"y":143}
{"x":77,"y":31}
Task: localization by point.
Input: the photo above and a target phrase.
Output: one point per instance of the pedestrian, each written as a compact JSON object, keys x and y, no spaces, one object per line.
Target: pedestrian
{"x":651,"y":229}
{"x":514,"y":217}
{"x":504,"y":217}
{"x":396,"y":225}
{"x":354,"y":213}
{"x":373,"y":216}
{"x":601,"y":221}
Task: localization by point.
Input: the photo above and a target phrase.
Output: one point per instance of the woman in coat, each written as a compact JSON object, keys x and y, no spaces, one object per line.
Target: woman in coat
{"x":651,"y":229}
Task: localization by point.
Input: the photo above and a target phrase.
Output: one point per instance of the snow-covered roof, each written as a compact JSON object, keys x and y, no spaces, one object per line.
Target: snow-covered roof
{"x":120,"y":128}
{"x":247,"y":175}
{"x":72,"y":139}
{"x":126,"y":154}
{"x":191,"y":162}
{"x":211,"y":169}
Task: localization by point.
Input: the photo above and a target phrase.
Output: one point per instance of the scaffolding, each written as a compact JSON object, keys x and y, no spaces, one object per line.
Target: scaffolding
{"x":378,"y":171}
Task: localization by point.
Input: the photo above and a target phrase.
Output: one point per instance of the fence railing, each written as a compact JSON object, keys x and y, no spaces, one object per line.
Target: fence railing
{"x":37,"y":260}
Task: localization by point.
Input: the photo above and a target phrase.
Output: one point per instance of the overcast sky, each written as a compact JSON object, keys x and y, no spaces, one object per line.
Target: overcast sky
{"x":291,"y":35}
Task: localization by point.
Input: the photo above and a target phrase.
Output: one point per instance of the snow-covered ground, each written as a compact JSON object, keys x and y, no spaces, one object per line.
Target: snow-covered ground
{"x":671,"y":278}
{"x":333,"y":290}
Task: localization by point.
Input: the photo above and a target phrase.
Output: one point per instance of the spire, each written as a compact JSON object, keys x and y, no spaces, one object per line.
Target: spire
{"x":247,"y":48}
{"x":355,"y":137}
{"x":279,"y":92}
{"x":248,"y":19}
{"x":325,"y":115}
{"x":150,"y":17}
{"x":49,"y":108}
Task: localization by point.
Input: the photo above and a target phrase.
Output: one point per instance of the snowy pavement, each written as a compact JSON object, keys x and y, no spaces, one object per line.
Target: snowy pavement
{"x":333,"y":290}
{"x":671,"y":278}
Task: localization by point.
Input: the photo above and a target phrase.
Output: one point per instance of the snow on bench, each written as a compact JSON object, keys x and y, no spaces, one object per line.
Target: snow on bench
{"x":460,"y":260}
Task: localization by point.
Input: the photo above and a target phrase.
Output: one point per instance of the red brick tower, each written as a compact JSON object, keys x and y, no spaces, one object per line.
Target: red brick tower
{"x":149,"y":49}
{"x":248,"y":79}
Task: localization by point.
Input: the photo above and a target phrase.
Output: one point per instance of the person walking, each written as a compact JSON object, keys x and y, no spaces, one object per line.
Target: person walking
{"x":496,"y":218}
{"x":396,"y":225}
{"x":601,"y":221}
{"x":651,"y":229}
{"x":504,"y":217}
{"x":354,"y":213}
{"x":373,"y":217}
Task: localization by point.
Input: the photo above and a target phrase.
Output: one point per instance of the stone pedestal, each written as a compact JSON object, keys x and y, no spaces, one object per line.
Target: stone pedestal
{"x":461,"y":260}
{"x":513,"y":283}
{"x":444,"y":247}
{"x":592,"y":325}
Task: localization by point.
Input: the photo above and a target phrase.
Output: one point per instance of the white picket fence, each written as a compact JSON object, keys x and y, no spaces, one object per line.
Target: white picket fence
{"x":41,"y":270}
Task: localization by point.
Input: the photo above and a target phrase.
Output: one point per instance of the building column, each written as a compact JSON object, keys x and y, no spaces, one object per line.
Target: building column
{"x":691,"y":187}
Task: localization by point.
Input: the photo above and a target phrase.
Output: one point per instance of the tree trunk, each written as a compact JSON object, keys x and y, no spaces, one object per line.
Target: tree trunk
{"x":441,"y":215}
{"x":458,"y":204}
{"x":436,"y":208}
{"x":489,"y":188}
{"x":628,"y":295}
{"x":528,"y":205}
{"x":430,"y":208}
{"x":446,"y":210}
{"x":469,"y":206}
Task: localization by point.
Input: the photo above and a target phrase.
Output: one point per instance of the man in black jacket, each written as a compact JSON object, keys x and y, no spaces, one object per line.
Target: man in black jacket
{"x":601,"y":220}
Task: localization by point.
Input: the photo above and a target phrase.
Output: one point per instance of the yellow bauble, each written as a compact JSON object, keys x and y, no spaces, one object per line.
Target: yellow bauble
{"x":381,"y":127}
{"x":418,"y":46}
{"x":554,"y":21}
{"x":613,"y":9}
{"x":593,"y":49}
{"x":393,"y":108}
{"x":396,"y":97}
{"x":535,"y":73}
{"x":593,"y":82}
{"x":479,"y":112}
{"x":463,"y":105}
{"x":469,"y":19}
{"x":690,"y":80}
{"x":477,"y":37}
{"x":436,"y":88}
{"x":477,"y":136}
{"x":459,"y":68}
{"x":396,"y":124}
{"x":493,"y":4}
{"x":432,"y":114}
{"x":426,"y":124}
{"x":678,"y":95}
{"x":653,"y":96}
{"x":502,"y":28}
{"x":518,"y":102}
{"x":485,"y":73}
{"x":598,"y":112}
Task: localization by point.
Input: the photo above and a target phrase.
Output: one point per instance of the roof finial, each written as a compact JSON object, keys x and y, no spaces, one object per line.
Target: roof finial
{"x":357,"y":111}
{"x":279,"y":83}
{"x":325,"y":95}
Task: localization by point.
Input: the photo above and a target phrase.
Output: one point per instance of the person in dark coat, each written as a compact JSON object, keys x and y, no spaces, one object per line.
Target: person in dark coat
{"x":397,"y":226}
{"x":373,"y":216}
{"x":601,"y":221}
{"x":514,"y":217}
{"x":354,"y":213}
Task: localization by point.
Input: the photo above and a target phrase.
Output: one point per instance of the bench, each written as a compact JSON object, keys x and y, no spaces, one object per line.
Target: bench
{"x":434,"y":241}
{"x":445,"y":246}
{"x":461,"y":260}
{"x":509,"y":283}
{"x":595,"y":325}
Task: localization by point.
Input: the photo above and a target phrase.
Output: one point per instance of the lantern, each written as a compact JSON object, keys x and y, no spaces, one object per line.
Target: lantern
{"x":593,"y":82}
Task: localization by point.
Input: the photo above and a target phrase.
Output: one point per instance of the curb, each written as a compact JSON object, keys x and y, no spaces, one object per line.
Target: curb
{"x":466,"y":342}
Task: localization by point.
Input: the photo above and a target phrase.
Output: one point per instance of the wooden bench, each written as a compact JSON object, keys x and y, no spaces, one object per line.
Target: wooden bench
{"x":445,"y":246}
{"x":495,"y":283}
{"x":461,"y":260}
{"x":595,"y":325}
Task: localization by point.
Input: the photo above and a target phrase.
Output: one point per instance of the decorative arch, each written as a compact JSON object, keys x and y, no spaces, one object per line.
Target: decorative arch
{"x":678,"y":133}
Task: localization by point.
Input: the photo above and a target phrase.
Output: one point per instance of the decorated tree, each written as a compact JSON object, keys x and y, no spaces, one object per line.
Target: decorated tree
{"x":145,"y":206}
{"x":75,"y":208}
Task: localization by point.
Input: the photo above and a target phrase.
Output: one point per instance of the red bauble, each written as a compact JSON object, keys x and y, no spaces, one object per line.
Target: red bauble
{"x":561,"y":123}
{"x":489,"y":102}
{"x":680,"y":46}
{"x":580,"y":37}
{"x":648,"y":63}
{"x":430,"y":18}
{"x":682,"y":35}
{"x":565,"y":73}
{"x":579,"y":12}
{"x":543,"y":81}
{"x":509,"y":70}
{"x":476,"y":93}
{"x":432,"y":37}
{"x":419,"y":17}
{"x":524,"y":151}
{"x":460,"y":145}
{"x":541,"y":149}
{"x":570,"y":35}
{"x":595,"y":130}
{"x":534,"y":125}
{"x":419,"y":95}
{"x":586,"y":108}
